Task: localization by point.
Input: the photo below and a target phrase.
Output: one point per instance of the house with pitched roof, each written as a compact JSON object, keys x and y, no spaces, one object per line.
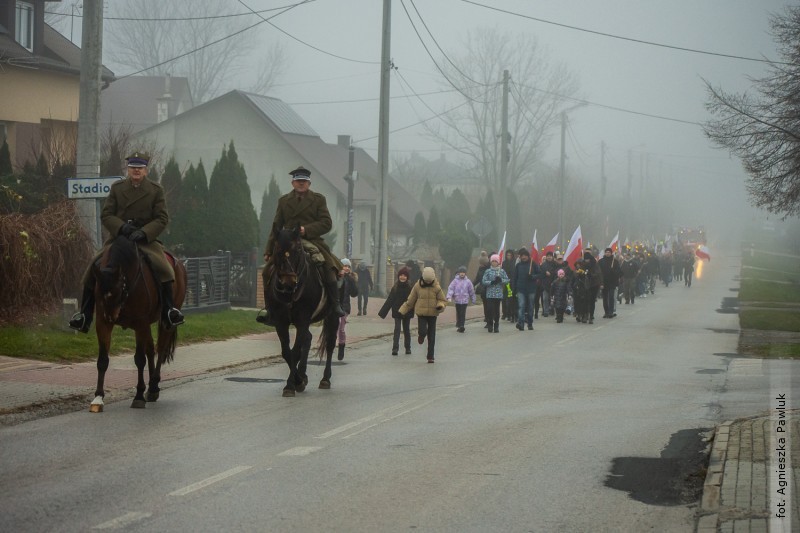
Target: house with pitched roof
{"x":138,"y":102}
{"x":39,"y":84}
{"x":271,"y":139}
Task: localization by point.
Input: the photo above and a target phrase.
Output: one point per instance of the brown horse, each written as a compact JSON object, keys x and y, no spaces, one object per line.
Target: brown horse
{"x":127,"y":295}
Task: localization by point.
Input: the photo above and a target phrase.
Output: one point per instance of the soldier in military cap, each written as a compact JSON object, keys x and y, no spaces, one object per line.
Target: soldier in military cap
{"x":308,"y":210}
{"x":137,"y":209}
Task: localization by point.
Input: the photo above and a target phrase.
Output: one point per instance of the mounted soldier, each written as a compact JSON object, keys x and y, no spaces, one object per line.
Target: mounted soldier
{"x":307,"y":210}
{"x":135,"y":208}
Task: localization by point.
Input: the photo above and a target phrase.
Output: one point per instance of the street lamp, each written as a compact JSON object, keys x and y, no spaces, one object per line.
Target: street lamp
{"x":561,"y":171}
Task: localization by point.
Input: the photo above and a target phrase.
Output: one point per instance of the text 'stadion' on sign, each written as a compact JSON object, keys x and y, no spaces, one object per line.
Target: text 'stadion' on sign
{"x":90,"y":187}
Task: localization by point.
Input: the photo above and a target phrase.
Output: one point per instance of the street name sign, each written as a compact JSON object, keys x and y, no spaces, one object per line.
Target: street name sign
{"x":90,"y":187}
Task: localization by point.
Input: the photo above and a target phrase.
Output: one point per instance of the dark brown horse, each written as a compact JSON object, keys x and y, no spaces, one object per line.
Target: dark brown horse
{"x":127,"y":295}
{"x":297,"y":297}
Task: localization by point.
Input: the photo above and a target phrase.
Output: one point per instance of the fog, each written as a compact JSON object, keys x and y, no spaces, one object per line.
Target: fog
{"x":646,"y":99}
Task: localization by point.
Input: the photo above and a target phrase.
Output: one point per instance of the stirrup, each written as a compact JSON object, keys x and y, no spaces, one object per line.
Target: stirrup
{"x":78,"y":322}
{"x":174,"y":317}
{"x":265,"y":319}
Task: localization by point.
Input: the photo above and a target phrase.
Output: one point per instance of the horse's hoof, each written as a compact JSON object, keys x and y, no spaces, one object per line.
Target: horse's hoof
{"x":288,"y":393}
{"x":300,"y":387}
{"x":138,"y":404}
{"x":96,"y":408}
{"x":325,"y":384}
{"x":152,"y":396}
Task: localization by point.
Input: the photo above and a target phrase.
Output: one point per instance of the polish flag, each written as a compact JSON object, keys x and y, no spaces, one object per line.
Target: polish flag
{"x":502,"y":250}
{"x":615,"y":244}
{"x":534,"y":249}
{"x":551,"y":246}
{"x":574,"y":248}
{"x":703,"y":253}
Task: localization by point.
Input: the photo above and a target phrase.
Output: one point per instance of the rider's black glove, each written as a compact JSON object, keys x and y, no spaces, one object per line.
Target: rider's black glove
{"x":127,"y":228}
{"x":138,"y":236}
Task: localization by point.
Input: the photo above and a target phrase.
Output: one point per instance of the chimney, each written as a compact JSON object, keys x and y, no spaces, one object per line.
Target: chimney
{"x":343,"y":141}
{"x":165,"y":108}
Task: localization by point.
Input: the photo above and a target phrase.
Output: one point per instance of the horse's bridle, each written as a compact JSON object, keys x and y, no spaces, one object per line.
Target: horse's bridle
{"x":295,"y":272}
{"x":127,"y":288}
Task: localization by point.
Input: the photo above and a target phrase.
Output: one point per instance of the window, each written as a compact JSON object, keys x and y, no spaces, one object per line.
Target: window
{"x":24,"y":25}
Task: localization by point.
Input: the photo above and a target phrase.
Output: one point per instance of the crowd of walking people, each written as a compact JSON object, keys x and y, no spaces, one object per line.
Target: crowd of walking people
{"x":518,"y":289}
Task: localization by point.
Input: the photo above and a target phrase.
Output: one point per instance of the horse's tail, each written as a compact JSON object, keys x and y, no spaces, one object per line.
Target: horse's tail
{"x":167,"y":341}
{"x":327,"y":337}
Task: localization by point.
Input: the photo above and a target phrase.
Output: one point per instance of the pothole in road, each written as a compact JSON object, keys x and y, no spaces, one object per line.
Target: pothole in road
{"x":710,"y":371}
{"x":675,"y":478}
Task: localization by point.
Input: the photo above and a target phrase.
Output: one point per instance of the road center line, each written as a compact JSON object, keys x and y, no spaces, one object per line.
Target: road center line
{"x":571,"y":337}
{"x":208,"y":481}
{"x":123,"y":521}
{"x":360,"y":421}
{"x":301,"y":450}
{"x":396,"y":415}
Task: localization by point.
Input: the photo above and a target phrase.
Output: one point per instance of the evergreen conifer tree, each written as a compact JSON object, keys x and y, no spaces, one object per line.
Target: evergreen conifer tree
{"x":269,"y":204}
{"x":434,"y":227}
{"x":426,"y":198}
{"x":188,"y":230}
{"x":235,"y":224}
{"x":5,"y":160}
{"x":419,"y":229}
{"x":171,"y":181}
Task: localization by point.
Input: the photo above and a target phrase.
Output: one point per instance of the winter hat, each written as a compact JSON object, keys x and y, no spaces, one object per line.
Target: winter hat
{"x":461,"y":269}
{"x":402,"y":272}
{"x":561,"y":273}
{"x":494,"y":258}
{"x":346,"y":262}
{"x":483,"y":260}
{"x":524,"y":252}
{"x":428,"y":274}
{"x":362,"y":266}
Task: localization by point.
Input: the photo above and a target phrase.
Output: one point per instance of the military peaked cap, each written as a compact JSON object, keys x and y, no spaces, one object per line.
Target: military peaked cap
{"x":138,"y":159}
{"x":300,"y":173}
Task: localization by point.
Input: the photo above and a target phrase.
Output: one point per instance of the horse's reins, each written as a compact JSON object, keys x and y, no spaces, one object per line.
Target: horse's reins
{"x":297,"y":289}
{"x":126,"y":291}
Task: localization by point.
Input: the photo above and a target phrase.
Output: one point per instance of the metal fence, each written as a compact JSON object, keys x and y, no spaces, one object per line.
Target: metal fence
{"x":220,"y":281}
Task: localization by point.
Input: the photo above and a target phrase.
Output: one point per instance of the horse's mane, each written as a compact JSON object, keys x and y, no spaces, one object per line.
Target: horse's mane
{"x":122,"y":252}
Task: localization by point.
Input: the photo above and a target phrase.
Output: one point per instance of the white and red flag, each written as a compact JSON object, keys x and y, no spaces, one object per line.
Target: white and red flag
{"x":502,"y":251}
{"x":703,"y":253}
{"x":574,"y":248}
{"x":614,"y":244}
{"x":551,"y":246}
{"x":534,"y":249}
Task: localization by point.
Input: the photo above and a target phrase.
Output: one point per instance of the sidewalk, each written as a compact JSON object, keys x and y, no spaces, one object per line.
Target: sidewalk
{"x":741,"y":492}
{"x":27,"y":385}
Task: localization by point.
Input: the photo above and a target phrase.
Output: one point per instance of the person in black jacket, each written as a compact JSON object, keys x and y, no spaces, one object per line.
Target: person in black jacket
{"x":509,"y":304}
{"x":397,"y":297}
{"x":611,"y":272}
{"x":480,"y":288}
{"x":347,"y":289}
{"x":365,"y":286}
{"x":523,"y":284}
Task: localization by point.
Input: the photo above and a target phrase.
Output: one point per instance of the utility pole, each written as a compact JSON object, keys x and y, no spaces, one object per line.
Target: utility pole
{"x":383,"y":150}
{"x":628,"y":196}
{"x":88,"y":158}
{"x":502,"y":219}
{"x":562,"y":174}
{"x":603,"y":169}
{"x":351,"y":182}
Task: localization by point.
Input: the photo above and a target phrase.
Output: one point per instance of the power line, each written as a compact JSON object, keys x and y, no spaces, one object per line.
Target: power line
{"x":179,"y":19}
{"x":305,"y":43}
{"x":422,"y":42}
{"x":631,"y":39}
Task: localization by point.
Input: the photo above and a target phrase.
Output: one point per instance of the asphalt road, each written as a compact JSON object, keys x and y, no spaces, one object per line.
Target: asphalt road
{"x":567,"y":428}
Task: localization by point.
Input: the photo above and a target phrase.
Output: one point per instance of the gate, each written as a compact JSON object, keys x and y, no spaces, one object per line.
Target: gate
{"x":221,"y":281}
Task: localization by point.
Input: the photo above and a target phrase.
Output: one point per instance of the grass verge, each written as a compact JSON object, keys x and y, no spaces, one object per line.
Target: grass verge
{"x":48,"y":341}
{"x":777,"y":320}
{"x":753,"y":290}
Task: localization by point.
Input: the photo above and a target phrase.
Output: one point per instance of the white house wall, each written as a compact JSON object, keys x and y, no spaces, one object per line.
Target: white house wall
{"x":202,"y":133}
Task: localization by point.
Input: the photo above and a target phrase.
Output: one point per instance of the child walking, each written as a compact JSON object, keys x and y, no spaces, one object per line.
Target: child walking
{"x":347,"y":289}
{"x":559,"y":290}
{"x":495,"y":280}
{"x":397,"y":296}
{"x":427,"y":300}
{"x":461,"y":291}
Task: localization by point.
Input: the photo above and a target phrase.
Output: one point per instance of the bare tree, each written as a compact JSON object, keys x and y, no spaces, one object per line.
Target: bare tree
{"x":764,"y":130}
{"x":538,"y":92}
{"x":154,"y":32}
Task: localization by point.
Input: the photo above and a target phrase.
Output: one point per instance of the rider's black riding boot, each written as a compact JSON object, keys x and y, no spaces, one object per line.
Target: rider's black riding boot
{"x":332,"y":292}
{"x":82,"y":320}
{"x":170,"y":315}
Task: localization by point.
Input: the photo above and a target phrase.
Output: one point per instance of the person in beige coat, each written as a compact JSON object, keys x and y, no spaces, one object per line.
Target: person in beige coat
{"x":427,"y":299}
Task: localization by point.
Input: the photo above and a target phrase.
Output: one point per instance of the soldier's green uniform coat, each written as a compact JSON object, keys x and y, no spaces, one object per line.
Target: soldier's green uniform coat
{"x":311,"y":212}
{"x":145,"y":205}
